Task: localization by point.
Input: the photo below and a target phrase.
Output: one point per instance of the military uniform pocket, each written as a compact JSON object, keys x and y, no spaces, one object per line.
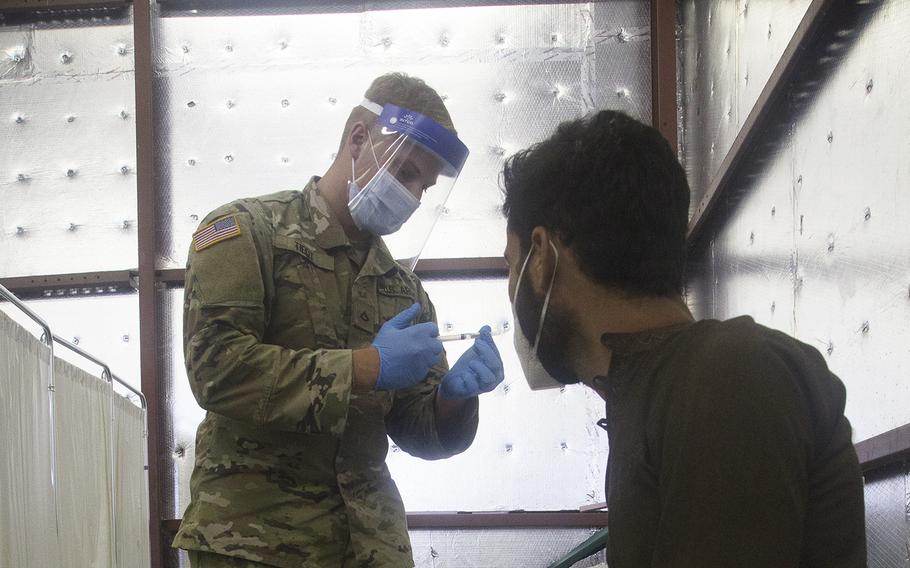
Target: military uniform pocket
{"x":302,"y":273}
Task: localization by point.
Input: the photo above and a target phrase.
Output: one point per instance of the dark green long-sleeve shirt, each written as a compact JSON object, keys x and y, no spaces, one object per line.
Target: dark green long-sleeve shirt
{"x":729,"y":448}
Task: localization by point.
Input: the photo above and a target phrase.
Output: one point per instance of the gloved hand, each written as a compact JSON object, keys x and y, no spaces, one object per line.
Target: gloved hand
{"x":406,"y":352}
{"x":479,"y":370}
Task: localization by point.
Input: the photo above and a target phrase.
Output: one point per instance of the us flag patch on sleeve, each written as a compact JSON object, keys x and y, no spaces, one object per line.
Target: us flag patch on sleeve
{"x":220,"y":230}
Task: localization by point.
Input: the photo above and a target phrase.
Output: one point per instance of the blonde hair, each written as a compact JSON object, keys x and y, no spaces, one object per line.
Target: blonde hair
{"x":401,"y":90}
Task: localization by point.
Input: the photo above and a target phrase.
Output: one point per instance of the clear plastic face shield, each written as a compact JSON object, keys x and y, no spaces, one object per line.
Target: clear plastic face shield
{"x":403,"y":178}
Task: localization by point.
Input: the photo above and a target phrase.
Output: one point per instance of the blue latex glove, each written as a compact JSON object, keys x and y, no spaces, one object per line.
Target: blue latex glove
{"x":478,"y":371}
{"x":406,"y":352}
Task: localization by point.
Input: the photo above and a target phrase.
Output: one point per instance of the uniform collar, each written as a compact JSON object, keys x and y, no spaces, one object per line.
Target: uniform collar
{"x":328,"y":230}
{"x":330,"y":234}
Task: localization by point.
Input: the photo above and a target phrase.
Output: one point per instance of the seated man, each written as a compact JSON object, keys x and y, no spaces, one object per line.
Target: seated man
{"x":728,"y":441}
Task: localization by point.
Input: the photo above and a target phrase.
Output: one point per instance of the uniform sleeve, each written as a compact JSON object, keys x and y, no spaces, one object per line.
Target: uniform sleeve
{"x":411,"y":423}
{"x":232,"y":370}
{"x":731,"y":462}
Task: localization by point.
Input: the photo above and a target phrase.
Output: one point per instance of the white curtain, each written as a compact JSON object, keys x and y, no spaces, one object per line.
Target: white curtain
{"x":83,"y":466}
{"x":28,"y":535}
{"x":89,"y":525}
{"x":132,"y":485}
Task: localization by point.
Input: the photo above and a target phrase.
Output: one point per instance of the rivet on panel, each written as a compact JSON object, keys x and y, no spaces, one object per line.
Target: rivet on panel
{"x":20,"y":231}
{"x":500,"y":39}
{"x":433,"y":553}
{"x":554,"y":38}
{"x":66,"y":57}
{"x":508,"y":448}
{"x":506,"y":389}
{"x":71,"y":118}
{"x":191,"y":162}
{"x":185,"y":48}
{"x":830,"y":348}
{"x":122,"y":50}
{"x":867,"y":214}
{"x":869,"y":86}
{"x":498,"y":151}
{"x":802,"y":219}
{"x":752,"y":238}
{"x":746,"y":78}
{"x":623,"y":36}
{"x":622,"y":93}
{"x":865,"y":327}
{"x":285,"y":103}
{"x":799,"y":180}
{"x":386,"y":42}
{"x":506,"y":326}
{"x":20,"y":119}
{"x":773,"y":306}
{"x":75,"y":340}
{"x":283,"y":44}
{"x":124,"y":115}
{"x":17,"y":54}
{"x":194,"y":217}
{"x":70,"y":173}
{"x":179,"y":451}
{"x":773,"y":211}
{"x":229,"y":48}
{"x":449,"y":326}
{"x":229,"y":158}
{"x":444,"y":40}
{"x":285,"y":159}
{"x":124,"y":170}
{"x":21,"y":178}
{"x":831,"y":243}
{"x":230,"y":104}
{"x":333,"y":101}
{"x":191,"y":104}
{"x":72,"y":227}
{"x":395,"y":448}
{"x":564,"y":446}
{"x":500,"y":97}
{"x":125,"y":338}
{"x":126,"y":224}
{"x":769,"y":31}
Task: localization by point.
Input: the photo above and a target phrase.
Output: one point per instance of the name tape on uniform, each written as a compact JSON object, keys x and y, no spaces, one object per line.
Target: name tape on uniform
{"x":215,"y":232}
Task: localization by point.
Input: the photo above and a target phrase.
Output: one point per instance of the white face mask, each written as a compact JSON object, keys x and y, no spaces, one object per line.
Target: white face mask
{"x":538,"y":378}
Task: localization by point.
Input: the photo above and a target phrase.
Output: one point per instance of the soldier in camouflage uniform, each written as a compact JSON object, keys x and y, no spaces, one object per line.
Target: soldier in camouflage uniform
{"x":284,"y":300}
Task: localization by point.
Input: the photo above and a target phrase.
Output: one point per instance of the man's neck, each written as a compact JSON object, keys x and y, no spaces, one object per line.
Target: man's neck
{"x":609,"y":311}
{"x":333,"y":187}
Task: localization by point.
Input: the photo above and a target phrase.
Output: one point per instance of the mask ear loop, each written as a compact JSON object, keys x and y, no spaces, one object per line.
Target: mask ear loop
{"x":546,"y":302}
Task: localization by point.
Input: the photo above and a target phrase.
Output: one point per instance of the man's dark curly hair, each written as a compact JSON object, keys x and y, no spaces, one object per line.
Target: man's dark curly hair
{"x":614,"y":191}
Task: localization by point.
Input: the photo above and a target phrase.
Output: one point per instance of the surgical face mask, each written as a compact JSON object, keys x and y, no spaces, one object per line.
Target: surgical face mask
{"x":383,"y":205}
{"x":538,"y":378}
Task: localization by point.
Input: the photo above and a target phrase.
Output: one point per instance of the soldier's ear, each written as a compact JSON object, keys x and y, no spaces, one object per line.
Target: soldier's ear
{"x":357,"y":139}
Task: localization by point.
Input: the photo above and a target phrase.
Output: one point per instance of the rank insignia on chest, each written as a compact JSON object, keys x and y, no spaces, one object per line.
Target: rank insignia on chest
{"x":215,"y":232}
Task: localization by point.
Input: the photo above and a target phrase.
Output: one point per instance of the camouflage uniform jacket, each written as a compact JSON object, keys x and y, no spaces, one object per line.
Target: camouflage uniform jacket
{"x":290,"y":463}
